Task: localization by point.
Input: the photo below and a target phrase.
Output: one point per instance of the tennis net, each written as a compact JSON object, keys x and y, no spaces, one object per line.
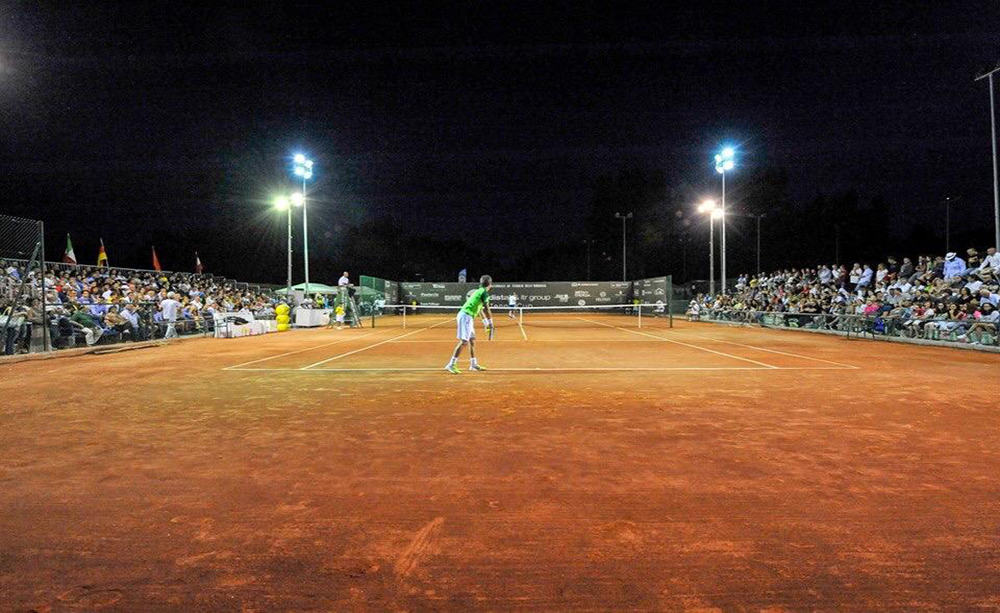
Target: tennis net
{"x":591,"y":316}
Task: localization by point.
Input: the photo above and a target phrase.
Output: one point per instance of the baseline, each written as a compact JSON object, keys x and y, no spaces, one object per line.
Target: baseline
{"x":552,"y":370}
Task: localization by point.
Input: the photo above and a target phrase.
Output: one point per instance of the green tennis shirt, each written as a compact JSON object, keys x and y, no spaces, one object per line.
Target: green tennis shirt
{"x":474,"y":304}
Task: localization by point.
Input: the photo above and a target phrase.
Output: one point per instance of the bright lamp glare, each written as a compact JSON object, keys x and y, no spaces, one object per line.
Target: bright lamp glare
{"x":717,"y":214}
{"x":309,"y":164}
{"x":728,"y":153}
{"x":307,"y":175}
{"x":728,"y":165}
{"x":281,"y":203}
{"x":299,"y":171}
{"x":299,"y":158}
{"x":706,"y":206}
{"x":297,"y":199}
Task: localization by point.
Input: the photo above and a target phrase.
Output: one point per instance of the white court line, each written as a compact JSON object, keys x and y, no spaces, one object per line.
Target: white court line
{"x":794,"y":355}
{"x":280,"y":355}
{"x":521,"y":328}
{"x":372,"y":346}
{"x":553,"y":370}
{"x":549,"y":340}
{"x":728,"y":355}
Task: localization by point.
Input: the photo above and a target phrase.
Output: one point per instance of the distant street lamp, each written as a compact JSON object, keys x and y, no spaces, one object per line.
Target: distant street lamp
{"x":725,"y":160}
{"x":624,"y":218}
{"x":714,"y":212}
{"x":284,"y":203}
{"x":993,"y":142}
{"x":303,"y":168}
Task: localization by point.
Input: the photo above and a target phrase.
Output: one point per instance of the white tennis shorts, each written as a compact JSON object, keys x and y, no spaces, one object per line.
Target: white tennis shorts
{"x":466,"y":326}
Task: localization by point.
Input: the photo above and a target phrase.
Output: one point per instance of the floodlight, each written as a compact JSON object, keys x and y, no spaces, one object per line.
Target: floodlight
{"x":281,"y":203}
{"x":299,"y":158}
{"x":297,"y":199}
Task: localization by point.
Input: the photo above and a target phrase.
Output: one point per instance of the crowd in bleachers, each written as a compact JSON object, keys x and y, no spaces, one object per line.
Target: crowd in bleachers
{"x":936,"y":297}
{"x":90,"y":305}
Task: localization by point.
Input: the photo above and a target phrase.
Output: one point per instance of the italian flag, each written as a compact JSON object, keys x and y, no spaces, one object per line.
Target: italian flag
{"x":197,"y":263}
{"x":156,"y":261}
{"x":69,"y":257}
{"x":102,"y":255}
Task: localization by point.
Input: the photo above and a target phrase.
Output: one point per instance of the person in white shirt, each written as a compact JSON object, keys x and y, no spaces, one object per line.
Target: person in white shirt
{"x":345,"y":280}
{"x":991,"y":262}
{"x":866,"y":277}
{"x":512,"y":303}
{"x":169,"y":308}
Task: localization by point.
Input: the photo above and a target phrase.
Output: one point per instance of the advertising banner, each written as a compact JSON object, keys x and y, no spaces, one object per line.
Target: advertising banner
{"x":536,"y":293}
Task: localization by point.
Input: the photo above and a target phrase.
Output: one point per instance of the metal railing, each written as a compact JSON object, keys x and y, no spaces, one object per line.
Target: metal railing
{"x":945,"y":331}
{"x":23,"y":332}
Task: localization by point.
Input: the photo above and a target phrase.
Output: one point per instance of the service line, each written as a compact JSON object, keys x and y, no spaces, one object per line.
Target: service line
{"x":281,"y":355}
{"x":373,"y":345}
{"x":667,"y":340}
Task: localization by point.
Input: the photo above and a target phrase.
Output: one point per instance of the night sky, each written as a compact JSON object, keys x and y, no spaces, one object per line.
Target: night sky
{"x":172,"y":125}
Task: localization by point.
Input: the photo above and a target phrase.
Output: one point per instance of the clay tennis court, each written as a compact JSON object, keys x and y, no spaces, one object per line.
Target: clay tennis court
{"x":597,"y":465}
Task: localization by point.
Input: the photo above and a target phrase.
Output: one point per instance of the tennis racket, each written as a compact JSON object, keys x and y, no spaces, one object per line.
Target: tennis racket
{"x":489,"y":329}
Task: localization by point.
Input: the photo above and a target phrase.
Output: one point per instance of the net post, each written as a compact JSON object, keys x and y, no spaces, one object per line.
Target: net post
{"x":404,"y":316}
{"x":640,"y":315}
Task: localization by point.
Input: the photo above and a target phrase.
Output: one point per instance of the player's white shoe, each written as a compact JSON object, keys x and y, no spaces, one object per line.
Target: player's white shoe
{"x":477,"y":367}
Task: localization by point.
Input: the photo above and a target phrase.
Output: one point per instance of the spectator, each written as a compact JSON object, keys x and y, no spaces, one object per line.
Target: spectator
{"x":169,"y":309}
{"x":954,"y":266}
{"x":990,"y":263}
{"x":906,"y":270}
{"x":82,"y":320}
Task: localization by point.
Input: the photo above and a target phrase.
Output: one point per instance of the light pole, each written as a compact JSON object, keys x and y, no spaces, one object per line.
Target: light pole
{"x":724,"y":161}
{"x":993,"y":142}
{"x":284,"y":203}
{"x":303,"y":168}
{"x":624,"y":218}
{"x":714,"y":212}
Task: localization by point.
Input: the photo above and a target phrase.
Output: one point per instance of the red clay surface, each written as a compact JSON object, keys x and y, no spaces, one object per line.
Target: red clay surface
{"x":601,"y":467}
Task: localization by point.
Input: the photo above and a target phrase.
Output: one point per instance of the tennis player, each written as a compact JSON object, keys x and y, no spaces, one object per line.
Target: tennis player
{"x":466,"y":321}
{"x":512,"y":304}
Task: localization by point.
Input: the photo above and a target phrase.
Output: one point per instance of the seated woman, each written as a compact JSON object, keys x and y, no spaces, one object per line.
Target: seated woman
{"x":985,"y":326}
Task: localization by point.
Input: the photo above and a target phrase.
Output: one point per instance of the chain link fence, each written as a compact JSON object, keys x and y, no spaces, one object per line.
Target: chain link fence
{"x":22,"y":296}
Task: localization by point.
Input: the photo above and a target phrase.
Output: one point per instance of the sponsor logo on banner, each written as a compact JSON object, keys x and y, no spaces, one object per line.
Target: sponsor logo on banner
{"x":581,"y":302}
{"x":539,"y":298}
{"x":577,"y":284}
{"x":581,"y":294}
{"x":659,"y":292}
{"x":604,"y":294}
{"x":562,"y":297}
{"x":429,"y":295}
{"x":603,"y":299}
{"x":437,"y":285}
{"x":453,"y":297}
